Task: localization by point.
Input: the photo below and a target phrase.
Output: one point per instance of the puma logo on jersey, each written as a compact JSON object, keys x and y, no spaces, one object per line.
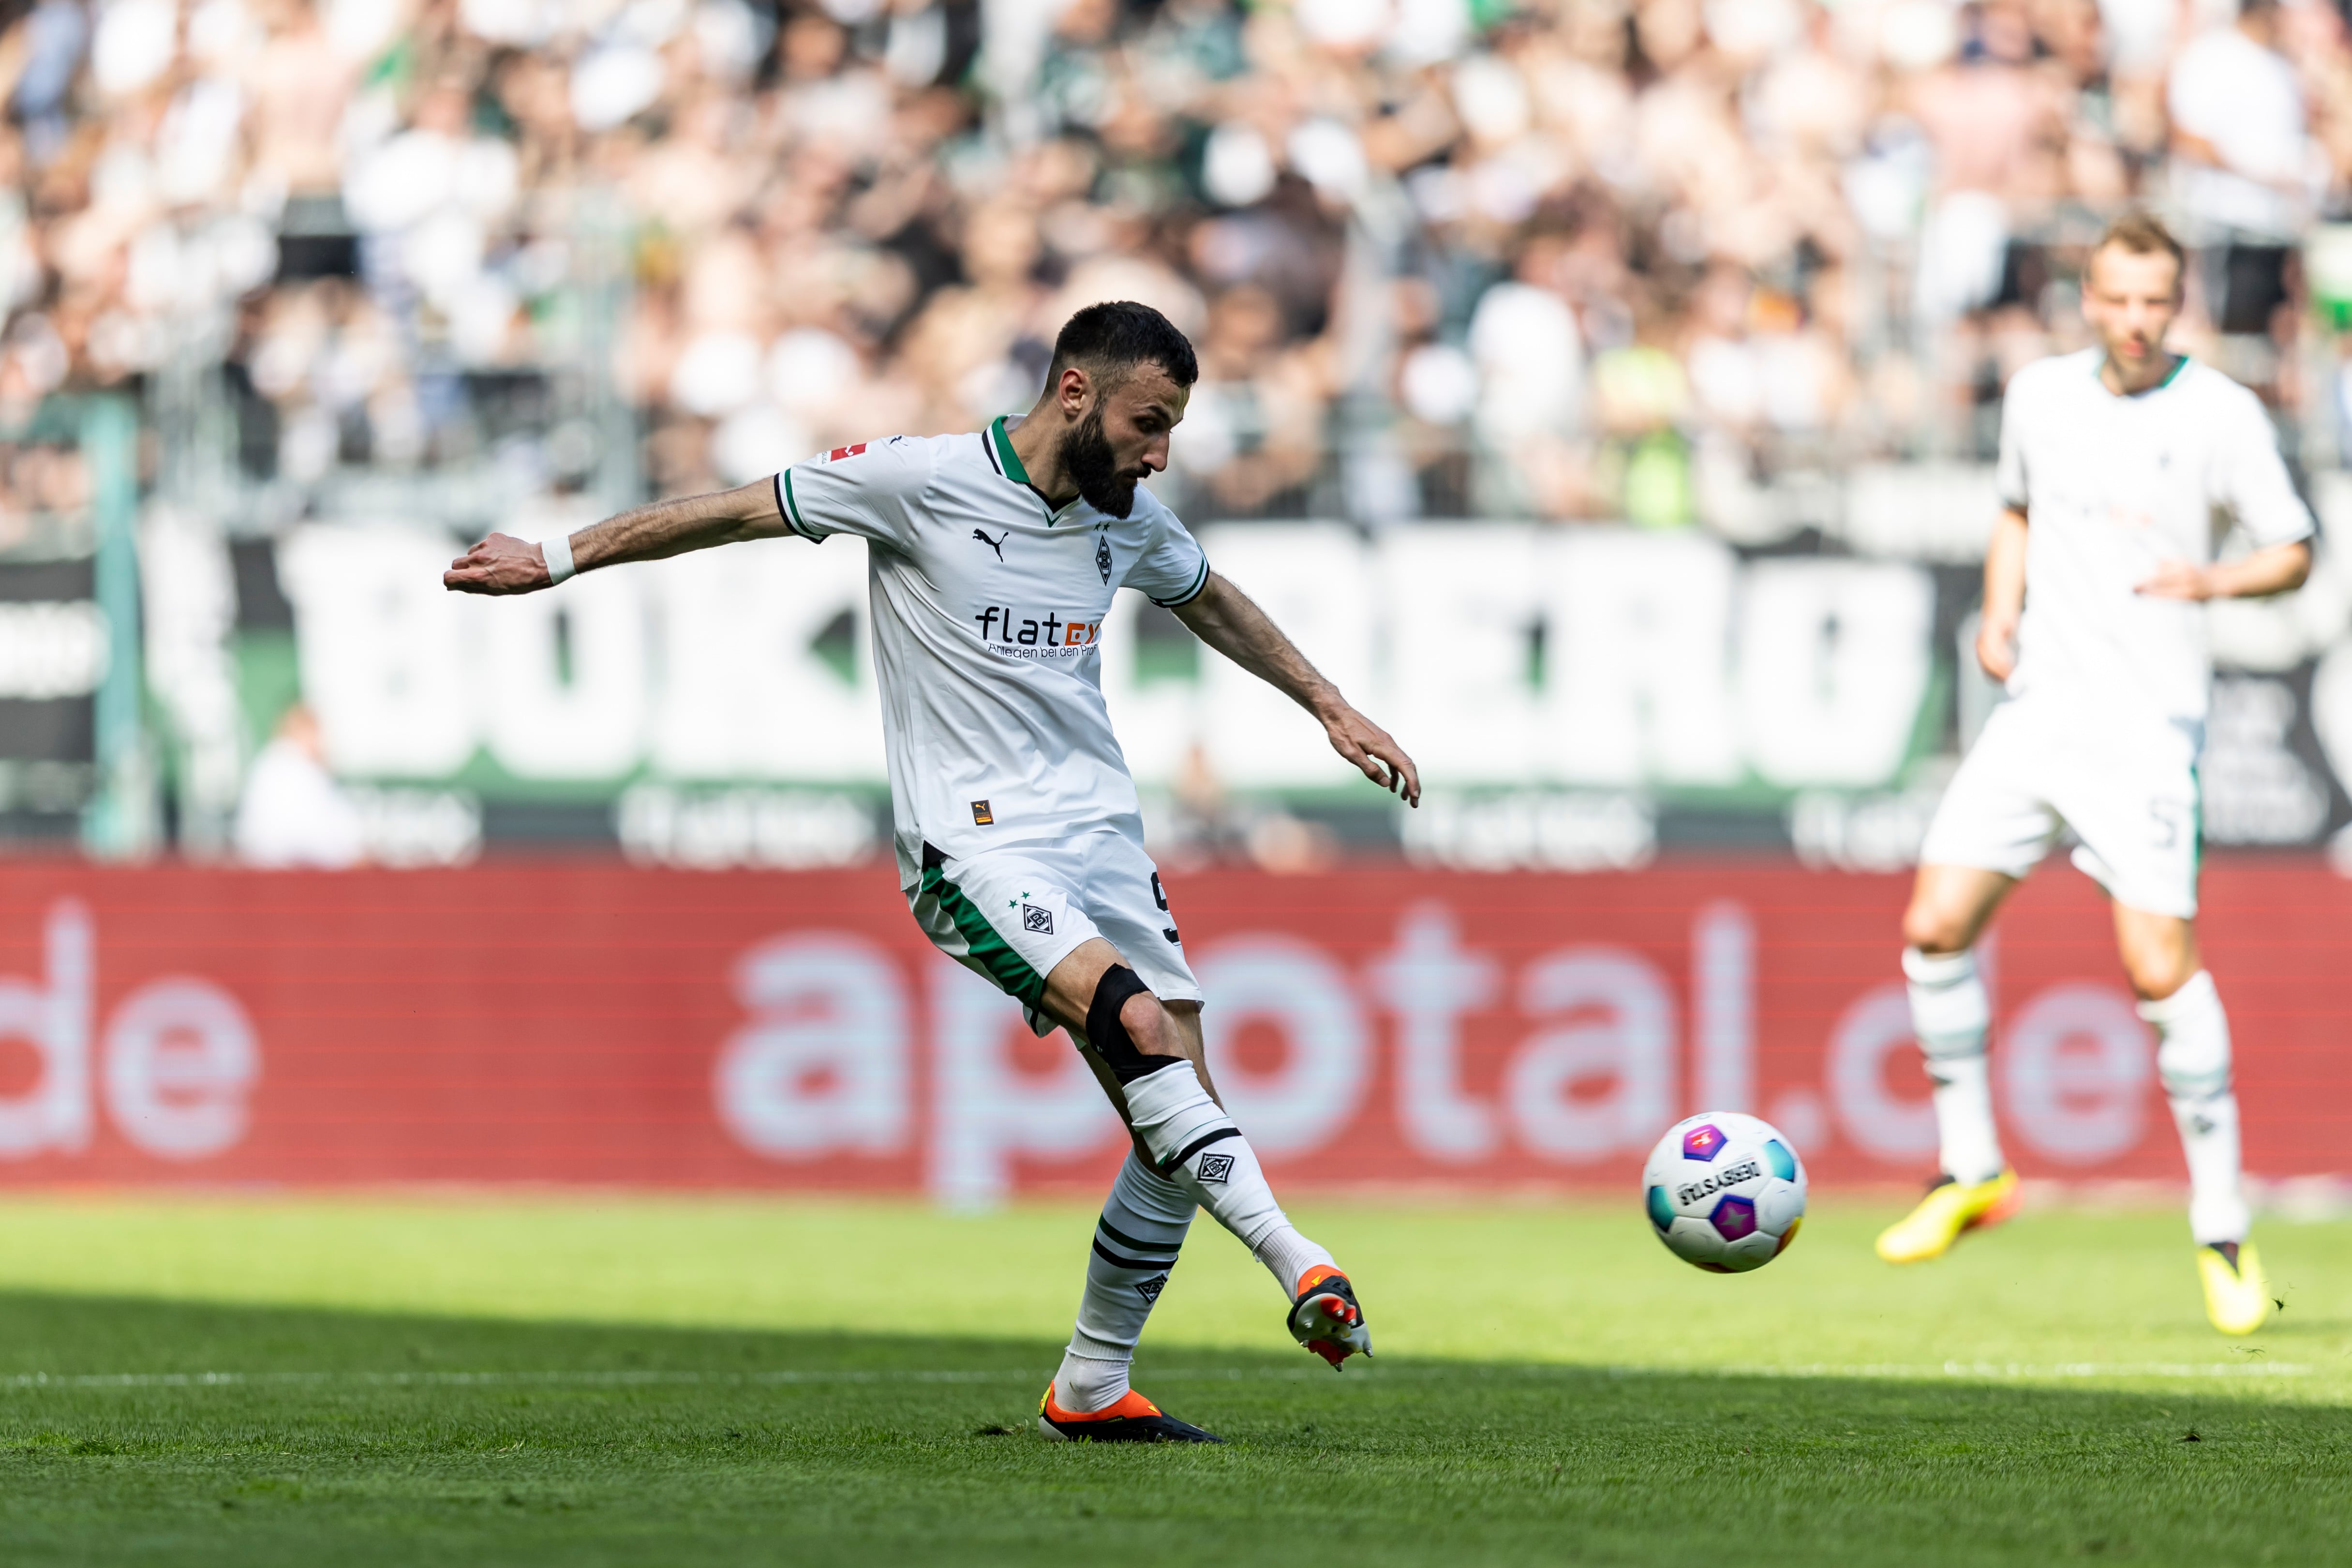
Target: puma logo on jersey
{"x":996,"y":545}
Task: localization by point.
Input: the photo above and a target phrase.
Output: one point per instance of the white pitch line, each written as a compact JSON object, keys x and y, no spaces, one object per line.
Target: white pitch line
{"x":582,"y":1379}
{"x":2003,"y":1370}
{"x":1961,"y":1371}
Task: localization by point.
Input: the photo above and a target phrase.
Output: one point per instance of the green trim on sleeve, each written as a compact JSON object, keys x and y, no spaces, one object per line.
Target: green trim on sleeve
{"x":793,"y":512}
{"x":1007,"y":968}
{"x":1189,"y":595}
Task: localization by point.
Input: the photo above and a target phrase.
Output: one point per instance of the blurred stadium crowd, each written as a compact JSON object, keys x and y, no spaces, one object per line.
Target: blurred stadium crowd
{"x":1559,"y":259}
{"x":351,"y":278}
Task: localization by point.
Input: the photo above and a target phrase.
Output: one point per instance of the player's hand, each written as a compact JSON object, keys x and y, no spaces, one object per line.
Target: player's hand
{"x":2177,"y":579}
{"x":1374,"y":752}
{"x":1997,"y":647}
{"x":498,"y":565}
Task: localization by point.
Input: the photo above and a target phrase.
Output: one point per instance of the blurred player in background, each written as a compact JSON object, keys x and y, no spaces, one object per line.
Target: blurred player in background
{"x":993,"y":558}
{"x":2113,"y":462}
{"x":293,"y":812}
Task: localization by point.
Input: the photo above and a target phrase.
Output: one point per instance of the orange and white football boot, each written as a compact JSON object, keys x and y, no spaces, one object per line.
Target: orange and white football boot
{"x":1325,"y":1318}
{"x":1131,"y":1419}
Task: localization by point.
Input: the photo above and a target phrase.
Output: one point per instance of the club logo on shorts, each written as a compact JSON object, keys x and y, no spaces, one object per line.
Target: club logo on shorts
{"x":1215,"y":1167}
{"x":1033,"y":918}
{"x":981,"y":815}
{"x":1149,"y":1288}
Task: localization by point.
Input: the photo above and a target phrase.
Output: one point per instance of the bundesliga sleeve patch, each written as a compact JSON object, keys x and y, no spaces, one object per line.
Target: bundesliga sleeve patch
{"x":981,"y":815}
{"x":840,"y":453}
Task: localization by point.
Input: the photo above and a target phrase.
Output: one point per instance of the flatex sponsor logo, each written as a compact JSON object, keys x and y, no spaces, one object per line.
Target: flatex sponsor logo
{"x":1025,"y":634}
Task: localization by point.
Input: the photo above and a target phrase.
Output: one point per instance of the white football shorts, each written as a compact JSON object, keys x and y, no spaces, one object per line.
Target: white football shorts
{"x":1013,"y":914}
{"x":2129,"y":790}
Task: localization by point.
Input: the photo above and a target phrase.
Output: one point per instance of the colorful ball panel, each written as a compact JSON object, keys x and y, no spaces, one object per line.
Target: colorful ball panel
{"x":1724,"y":1190}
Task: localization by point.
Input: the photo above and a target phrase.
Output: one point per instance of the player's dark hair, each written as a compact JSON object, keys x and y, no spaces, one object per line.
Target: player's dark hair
{"x":2142,"y":234}
{"x":1114,"y":337}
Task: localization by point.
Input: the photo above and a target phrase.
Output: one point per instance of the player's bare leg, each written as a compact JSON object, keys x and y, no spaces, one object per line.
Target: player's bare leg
{"x":2161,"y":958}
{"x":1153,"y":1066}
{"x":1950,"y":1013}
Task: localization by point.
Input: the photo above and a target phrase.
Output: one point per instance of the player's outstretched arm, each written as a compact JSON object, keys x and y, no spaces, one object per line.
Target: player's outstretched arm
{"x":504,"y":565}
{"x":1223,"y":616}
{"x":2271,"y":570}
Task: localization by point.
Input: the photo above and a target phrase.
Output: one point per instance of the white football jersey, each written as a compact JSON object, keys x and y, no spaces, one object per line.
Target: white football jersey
{"x":988,"y":610}
{"x":2111,"y":487}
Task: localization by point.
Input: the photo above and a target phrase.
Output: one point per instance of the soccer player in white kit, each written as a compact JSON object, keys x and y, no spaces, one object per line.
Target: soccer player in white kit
{"x":993,"y":558}
{"x":2114,"y":465}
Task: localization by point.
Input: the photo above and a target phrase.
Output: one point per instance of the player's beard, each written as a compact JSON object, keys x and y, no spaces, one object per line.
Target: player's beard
{"x":1087,"y":458}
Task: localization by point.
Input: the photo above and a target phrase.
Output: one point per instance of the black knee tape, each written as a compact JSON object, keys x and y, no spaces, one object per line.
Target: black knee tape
{"x":1109,"y":1035}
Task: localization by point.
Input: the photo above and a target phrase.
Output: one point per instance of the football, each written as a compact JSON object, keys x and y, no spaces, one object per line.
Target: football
{"x":1724,"y":1190}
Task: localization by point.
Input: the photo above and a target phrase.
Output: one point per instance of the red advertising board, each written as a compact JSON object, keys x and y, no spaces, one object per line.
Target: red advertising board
{"x":597,"y":1024}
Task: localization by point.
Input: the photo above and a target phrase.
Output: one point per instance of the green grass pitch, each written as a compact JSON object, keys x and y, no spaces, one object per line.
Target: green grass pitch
{"x":729,"y":1381}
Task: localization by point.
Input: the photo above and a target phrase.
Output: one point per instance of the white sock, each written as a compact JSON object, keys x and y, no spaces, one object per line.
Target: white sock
{"x":1083,"y":1383}
{"x":1142,"y":1226}
{"x":2192,"y":1056}
{"x":1200,"y":1150}
{"x":1949,"y":1013}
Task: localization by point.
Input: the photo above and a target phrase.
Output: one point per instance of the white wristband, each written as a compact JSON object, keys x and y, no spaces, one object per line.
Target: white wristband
{"x":558,"y":551}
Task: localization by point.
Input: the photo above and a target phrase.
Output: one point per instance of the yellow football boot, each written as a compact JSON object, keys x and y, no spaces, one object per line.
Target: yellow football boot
{"x":1949,"y":1208}
{"x":2237,"y":1294}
